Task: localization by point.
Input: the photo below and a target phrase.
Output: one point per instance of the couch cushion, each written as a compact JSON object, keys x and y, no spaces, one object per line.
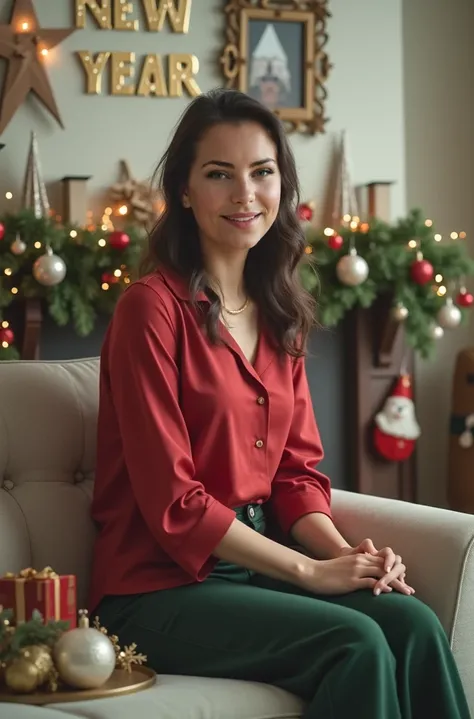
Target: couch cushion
{"x":48,"y":418}
{"x":176,"y":697}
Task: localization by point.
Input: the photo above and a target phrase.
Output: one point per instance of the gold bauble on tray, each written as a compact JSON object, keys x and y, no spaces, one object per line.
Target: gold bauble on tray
{"x":22,"y":676}
{"x":30,"y":669}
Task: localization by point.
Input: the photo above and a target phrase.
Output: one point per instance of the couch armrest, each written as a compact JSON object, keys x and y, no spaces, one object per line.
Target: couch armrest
{"x":437,"y":548}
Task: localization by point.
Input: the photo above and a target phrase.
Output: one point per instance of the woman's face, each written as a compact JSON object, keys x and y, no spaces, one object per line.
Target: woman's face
{"x":234,"y":186}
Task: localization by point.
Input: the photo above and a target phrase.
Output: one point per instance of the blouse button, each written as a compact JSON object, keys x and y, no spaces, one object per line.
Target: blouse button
{"x":261,"y":400}
{"x":259,"y":443}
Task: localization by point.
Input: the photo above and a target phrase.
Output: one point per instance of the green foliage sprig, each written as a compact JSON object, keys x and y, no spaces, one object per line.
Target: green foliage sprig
{"x":387,"y":251}
{"x":34,"y":631}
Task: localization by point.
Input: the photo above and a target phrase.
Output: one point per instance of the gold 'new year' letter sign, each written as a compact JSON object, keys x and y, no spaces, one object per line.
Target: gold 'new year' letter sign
{"x":118,"y":14}
{"x":155,"y":76}
{"x":151,"y":80}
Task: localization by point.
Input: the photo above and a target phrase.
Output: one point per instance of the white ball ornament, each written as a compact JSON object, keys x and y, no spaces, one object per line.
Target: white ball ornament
{"x":449,"y":315}
{"x":436,"y":332}
{"x":84,"y":657}
{"x":49,"y":269}
{"x":352,"y":269}
{"x":466,"y":440}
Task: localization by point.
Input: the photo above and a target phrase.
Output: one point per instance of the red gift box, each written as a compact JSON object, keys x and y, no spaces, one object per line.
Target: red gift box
{"x":51,"y":594}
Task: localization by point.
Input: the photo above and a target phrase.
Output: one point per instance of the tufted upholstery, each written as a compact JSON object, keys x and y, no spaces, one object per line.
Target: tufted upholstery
{"x":48,"y":416}
{"x":47,"y":449}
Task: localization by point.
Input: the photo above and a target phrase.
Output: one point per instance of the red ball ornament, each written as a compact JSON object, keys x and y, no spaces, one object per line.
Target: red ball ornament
{"x":6,"y":335}
{"x":305,"y":212}
{"x":110,"y":278}
{"x":2,"y":231}
{"x":119,"y":240}
{"x":421,"y":271}
{"x":335,"y":242}
{"x":465,"y":298}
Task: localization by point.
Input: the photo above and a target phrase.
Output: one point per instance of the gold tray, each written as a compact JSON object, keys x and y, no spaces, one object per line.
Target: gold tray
{"x":120,"y":683}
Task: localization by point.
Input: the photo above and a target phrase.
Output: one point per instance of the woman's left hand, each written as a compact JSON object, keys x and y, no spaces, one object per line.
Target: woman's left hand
{"x":392,"y":579}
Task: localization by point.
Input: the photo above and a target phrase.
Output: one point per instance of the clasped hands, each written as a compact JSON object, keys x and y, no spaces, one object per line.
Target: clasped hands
{"x":395,"y":570}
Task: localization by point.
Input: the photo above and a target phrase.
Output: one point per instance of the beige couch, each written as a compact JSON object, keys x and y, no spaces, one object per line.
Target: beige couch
{"x":47,"y":445}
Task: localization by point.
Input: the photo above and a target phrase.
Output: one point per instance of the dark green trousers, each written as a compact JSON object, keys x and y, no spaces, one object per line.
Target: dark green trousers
{"x":355,"y":655}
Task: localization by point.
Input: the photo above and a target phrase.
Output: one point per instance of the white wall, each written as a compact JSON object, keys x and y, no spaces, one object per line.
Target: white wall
{"x":439,"y":106}
{"x":365,"y":97}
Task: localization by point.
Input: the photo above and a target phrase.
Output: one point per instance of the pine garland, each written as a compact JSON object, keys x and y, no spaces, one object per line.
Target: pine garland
{"x":82,"y":295}
{"x":386,"y":250}
{"x":80,"y":298}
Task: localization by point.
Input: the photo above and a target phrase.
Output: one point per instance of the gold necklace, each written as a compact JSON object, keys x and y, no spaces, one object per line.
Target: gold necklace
{"x":237,"y":312}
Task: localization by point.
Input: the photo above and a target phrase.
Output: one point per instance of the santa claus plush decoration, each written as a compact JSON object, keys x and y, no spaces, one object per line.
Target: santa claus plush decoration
{"x":396,"y":429}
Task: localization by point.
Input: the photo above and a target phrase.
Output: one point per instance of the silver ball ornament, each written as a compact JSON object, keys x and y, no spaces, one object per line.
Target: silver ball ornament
{"x":449,"y":315}
{"x":352,"y":269}
{"x":466,"y":440}
{"x":17,"y":247}
{"x":436,"y":332}
{"x":400,"y":312}
{"x":49,"y":269}
{"x":84,"y":657}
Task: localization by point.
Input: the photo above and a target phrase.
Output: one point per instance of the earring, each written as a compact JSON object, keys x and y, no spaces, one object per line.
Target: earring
{"x":186,"y":202}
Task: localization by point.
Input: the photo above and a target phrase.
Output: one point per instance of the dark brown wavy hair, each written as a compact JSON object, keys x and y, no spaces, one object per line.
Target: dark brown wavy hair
{"x":272,"y":269}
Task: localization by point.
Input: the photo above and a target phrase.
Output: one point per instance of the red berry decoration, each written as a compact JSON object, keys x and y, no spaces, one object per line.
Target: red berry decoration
{"x":119,"y":240}
{"x":305,"y":212}
{"x":6,"y":335}
{"x":110,"y":278}
{"x":465,"y":298}
{"x":421,"y":271}
{"x":2,"y":231}
{"x":335,"y":242}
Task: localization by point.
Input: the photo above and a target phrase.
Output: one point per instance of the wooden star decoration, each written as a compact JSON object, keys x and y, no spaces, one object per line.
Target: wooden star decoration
{"x":137,"y":196}
{"x":24,"y":45}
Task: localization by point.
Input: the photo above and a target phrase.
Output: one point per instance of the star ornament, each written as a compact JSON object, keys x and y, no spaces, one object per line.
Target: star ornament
{"x":25,"y":45}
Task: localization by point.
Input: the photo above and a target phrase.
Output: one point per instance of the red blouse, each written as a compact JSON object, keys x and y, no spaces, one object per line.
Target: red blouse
{"x":186,"y":431}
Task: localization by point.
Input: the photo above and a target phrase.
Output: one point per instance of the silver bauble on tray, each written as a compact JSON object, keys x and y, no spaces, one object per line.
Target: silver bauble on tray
{"x":84,"y":657}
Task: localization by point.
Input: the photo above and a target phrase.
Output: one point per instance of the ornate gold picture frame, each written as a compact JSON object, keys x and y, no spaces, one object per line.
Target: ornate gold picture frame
{"x":275,"y":52}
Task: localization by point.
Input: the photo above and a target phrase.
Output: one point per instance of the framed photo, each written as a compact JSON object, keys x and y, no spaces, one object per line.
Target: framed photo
{"x":275,"y":53}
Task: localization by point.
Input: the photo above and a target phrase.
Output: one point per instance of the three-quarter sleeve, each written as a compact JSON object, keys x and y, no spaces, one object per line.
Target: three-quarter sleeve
{"x":298,"y":488}
{"x":143,"y":372}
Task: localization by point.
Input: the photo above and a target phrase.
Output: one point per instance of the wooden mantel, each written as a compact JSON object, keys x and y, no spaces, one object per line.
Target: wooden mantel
{"x":376,"y":352}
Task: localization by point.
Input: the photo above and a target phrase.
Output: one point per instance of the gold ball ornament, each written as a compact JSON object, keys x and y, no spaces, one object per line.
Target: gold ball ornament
{"x":29,"y":670}
{"x":40,"y":655}
{"x":352,"y":269}
{"x":84,"y":657}
{"x":22,"y":676}
{"x":49,"y":269}
{"x":399,"y":312}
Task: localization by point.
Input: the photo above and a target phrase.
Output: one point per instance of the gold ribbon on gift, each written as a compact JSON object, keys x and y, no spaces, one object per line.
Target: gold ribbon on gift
{"x":26,"y":575}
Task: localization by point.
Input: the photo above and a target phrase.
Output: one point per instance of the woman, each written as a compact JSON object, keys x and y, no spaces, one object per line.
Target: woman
{"x":207,"y":439}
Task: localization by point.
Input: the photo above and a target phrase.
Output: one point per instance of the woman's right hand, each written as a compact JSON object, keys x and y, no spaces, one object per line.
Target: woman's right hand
{"x":348,"y":574}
